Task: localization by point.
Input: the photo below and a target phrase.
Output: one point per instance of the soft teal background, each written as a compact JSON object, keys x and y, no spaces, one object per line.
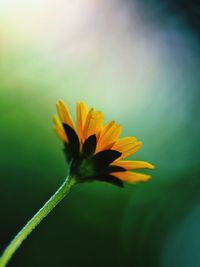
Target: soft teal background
{"x":150,"y":85}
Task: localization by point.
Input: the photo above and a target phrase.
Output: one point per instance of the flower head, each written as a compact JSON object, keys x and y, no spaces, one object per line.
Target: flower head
{"x":94,"y":151}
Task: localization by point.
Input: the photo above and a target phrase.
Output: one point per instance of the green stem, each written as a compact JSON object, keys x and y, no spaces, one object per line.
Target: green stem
{"x":37,"y":218}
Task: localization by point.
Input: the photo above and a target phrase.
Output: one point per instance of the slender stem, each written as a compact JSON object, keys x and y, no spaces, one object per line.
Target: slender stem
{"x":37,"y":218}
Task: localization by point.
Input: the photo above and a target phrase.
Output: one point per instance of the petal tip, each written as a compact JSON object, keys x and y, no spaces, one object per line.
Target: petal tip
{"x":151,"y":166}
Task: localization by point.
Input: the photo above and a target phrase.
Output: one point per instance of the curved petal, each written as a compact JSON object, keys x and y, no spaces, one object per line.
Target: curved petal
{"x":131,"y":177}
{"x":105,"y":157}
{"x":81,"y":114}
{"x":109,"y":135}
{"x":110,"y":179}
{"x":93,"y":123}
{"x":133,"y":165}
{"x":64,"y":114}
{"x":59,"y":129}
{"x":127,"y":146}
{"x":73,"y":144}
{"x":89,"y":145}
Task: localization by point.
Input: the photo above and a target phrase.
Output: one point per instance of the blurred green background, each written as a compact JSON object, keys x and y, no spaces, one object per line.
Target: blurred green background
{"x":140,"y":66}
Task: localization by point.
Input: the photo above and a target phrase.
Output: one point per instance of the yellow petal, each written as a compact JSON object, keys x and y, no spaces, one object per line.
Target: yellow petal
{"x":81,"y":114}
{"x":64,"y":113}
{"x":131,"y":177}
{"x":59,"y":129}
{"x":133,"y":165}
{"x":127,"y":146}
{"x":93,"y":123}
{"x":109,"y":135}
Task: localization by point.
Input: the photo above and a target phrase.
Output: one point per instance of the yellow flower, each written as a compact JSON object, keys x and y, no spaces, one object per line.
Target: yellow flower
{"x":95,"y":151}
